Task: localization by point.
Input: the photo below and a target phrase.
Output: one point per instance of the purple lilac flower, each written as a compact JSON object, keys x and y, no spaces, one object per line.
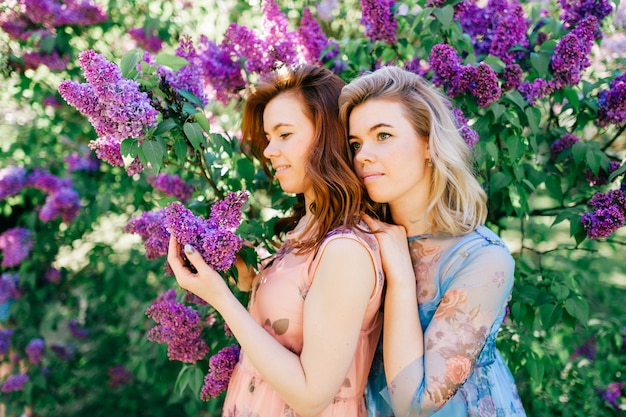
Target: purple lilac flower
{"x":485,"y":87}
{"x":65,"y":203}
{"x":77,"y":162}
{"x":535,"y":90}
{"x":47,"y":182}
{"x":612,"y":103}
{"x":12,"y":180}
{"x":108,"y":149}
{"x":415,"y":66}
{"x":558,"y":146}
{"x":570,"y":57}
{"x":608,"y":216}
{"x":77,"y":331}
{"x":65,"y":353}
{"x":8,"y":286}
{"x":15,"y":245}
{"x":151,"y":227}
{"x":603,"y":175}
{"x":221,"y":366}
{"x":512,"y":76}
{"x":114,"y":106}
{"x":588,"y":350}
{"x":191,"y":298}
{"x":612,"y":393}
{"x":222,"y":74}
{"x":189,"y":77}
{"x":180,"y":327}
{"x":213,"y":238}
{"x":379,"y":21}
{"x":34,"y":350}
{"x":326,"y":8}
{"x":576,"y":10}
{"x":172,"y":185}
{"x":51,"y":101}
{"x":5,"y":340}
{"x":33,"y":60}
{"x":444,"y":62}
{"x":312,"y":40}
{"x":241,"y":42}
{"x":53,"y":275}
{"x":279,"y":40}
{"x":118,"y":376}
{"x":15,"y":383}
{"x":463,"y":80}
{"x":146,"y":38}
{"x":469,"y":135}
{"x":496,"y":29}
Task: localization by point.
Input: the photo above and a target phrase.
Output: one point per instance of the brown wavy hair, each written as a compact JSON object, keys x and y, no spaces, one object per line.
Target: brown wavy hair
{"x":338,"y":191}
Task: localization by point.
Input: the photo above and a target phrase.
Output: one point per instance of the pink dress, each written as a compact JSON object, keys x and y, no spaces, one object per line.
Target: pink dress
{"x":277,"y":303}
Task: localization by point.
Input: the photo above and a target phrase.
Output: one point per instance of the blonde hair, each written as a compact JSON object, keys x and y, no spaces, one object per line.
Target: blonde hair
{"x":458,"y":202}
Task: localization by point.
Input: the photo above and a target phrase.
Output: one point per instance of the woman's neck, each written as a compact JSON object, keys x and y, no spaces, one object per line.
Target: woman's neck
{"x":412,"y":218}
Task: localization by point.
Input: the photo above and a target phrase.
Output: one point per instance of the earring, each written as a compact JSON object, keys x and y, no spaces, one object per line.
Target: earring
{"x":429,"y":162}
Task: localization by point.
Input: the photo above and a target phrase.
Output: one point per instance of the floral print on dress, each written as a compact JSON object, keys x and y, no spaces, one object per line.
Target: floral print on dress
{"x":424,"y":258}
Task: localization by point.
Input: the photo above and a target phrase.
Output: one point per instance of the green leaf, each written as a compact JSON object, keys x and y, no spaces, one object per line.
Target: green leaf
{"x":129,"y":62}
{"x":171,"y":61}
{"x":196,"y":380}
{"x":193,"y":132}
{"x":180,"y":149}
{"x":202,"y":120}
{"x":579,"y":308}
{"x":165,"y":126}
{"x":515,"y":147}
{"x":594,"y":160}
{"x":535,"y":369}
{"x":619,"y":171}
{"x":497,"y":109}
{"x":578,"y":152}
{"x":560,"y":291}
{"x":498,"y":181}
{"x":517,"y":98}
{"x":534,"y":118}
{"x":191,"y":97}
{"x":129,"y":147}
{"x":512,"y":117}
{"x":245,"y":168}
{"x":495,"y":63}
{"x":553,"y":185}
{"x":572,"y":98}
{"x":550,"y":314}
{"x":540,"y":62}
{"x":154,"y":150}
{"x":444,"y":15}
{"x":46,"y":45}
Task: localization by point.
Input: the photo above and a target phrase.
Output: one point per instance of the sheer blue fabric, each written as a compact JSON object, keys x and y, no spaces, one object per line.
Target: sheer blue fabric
{"x":464,"y":284}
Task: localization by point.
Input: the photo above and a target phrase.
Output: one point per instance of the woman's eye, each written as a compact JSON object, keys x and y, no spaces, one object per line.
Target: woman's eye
{"x":355,"y":146}
{"x":285,"y":135}
{"x":383,"y":136}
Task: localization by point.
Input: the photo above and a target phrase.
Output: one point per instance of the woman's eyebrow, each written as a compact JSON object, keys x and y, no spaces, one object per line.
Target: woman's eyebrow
{"x":278,"y":126}
{"x":373,"y":128}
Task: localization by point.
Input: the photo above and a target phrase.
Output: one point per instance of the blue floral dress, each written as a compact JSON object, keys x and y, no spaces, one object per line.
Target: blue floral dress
{"x":463,"y":286}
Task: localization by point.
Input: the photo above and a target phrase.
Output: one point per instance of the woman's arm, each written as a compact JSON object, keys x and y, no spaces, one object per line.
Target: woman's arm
{"x":333,"y":315}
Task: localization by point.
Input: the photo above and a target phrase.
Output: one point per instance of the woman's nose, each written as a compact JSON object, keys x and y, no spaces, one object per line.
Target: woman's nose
{"x":270,"y":150}
{"x":363,"y":155}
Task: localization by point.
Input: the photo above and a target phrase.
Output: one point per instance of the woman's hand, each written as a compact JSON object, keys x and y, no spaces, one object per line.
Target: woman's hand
{"x":206,"y":283}
{"x":394,"y":251}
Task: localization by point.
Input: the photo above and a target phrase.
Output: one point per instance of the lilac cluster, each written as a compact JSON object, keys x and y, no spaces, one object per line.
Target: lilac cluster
{"x":222,"y":74}
{"x":576,"y":10}
{"x":5,"y":340}
{"x":114,"y":105}
{"x":77,"y":331}
{"x":213,"y":238}
{"x":64,"y":353}
{"x":52,"y":60}
{"x":379,"y":21}
{"x":312,"y":41}
{"x":612,"y":393}
{"x":609,"y":214}
{"x":12,"y":180}
{"x":535,"y":90}
{"x":152,"y":230}
{"x":171,"y":185}
{"x":62,"y":200}
{"x":612,"y":103}
{"x":77,"y":162}
{"x":52,"y":275}
{"x":180,"y":327}
{"x":469,"y":135}
{"x":146,"y":38}
{"x":15,"y":245}
{"x":563,"y":143}
{"x":279,"y":40}
{"x":8,"y":286}
{"x":221,"y":366}
{"x":496,"y":29}
{"x":415,"y":66}
{"x":34,"y":350}
{"x":189,"y":77}
{"x":480,"y":81}
{"x":118,"y":376}
{"x":34,"y":19}
{"x":603,"y":175}
{"x":512,"y":76}
{"x":570,"y":57}
{"x":15,"y":383}
{"x":587,"y":350}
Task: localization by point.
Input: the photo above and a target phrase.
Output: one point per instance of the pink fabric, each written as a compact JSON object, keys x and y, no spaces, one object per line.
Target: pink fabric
{"x":277,"y":303}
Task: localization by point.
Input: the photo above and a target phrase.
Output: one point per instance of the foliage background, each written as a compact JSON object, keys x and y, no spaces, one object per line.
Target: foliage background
{"x":564,"y":337}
